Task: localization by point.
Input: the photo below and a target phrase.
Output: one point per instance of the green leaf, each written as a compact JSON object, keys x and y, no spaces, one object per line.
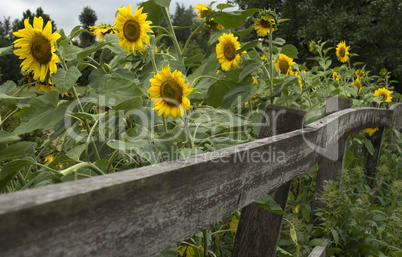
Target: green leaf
{"x":369,"y":146}
{"x":335,"y":235}
{"x":243,"y":33}
{"x":224,"y":6}
{"x":269,"y":204}
{"x":217,"y":91}
{"x":249,"y":45}
{"x":15,"y":151}
{"x":7,"y":86}
{"x":349,"y":157}
{"x":90,"y":50}
{"x":247,"y":70}
{"x":64,"y":80}
{"x":193,"y":59}
{"x":290,"y":51}
{"x":282,"y":253}
{"x":232,"y":20}
{"x":76,"y":152}
{"x":9,"y":170}
{"x":215,"y":36}
{"x":4,"y":96}
{"x":163,"y":3}
{"x":6,"y":50}
{"x":172,"y":252}
{"x":242,"y":93}
{"x":315,"y":241}
{"x":43,"y":120}
{"x":154,"y":12}
{"x":130,"y":104}
{"x":7,"y":137}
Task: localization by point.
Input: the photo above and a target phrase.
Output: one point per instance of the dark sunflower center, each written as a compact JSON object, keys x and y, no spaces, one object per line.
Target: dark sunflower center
{"x":266,"y":24}
{"x":384,"y":96}
{"x":229,"y":51}
{"x":283,"y":66}
{"x":132,"y":30}
{"x":41,"y":49}
{"x":342,"y":51}
{"x":171,"y":92}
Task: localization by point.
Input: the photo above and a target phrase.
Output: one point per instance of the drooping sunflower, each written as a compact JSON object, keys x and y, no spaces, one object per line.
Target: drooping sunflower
{"x":385,"y":93}
{"x":169,"y":93}
{"x":216,"y":26}
{"x":284,"y":64}
{"x":202,"y":10}
{"x":225,"y":49}
{"x":335,"y":76}
{"x":132,"y":29}
{"x":371,"y":131}
{"x":42,"y":86}
{"x":36,"y":45}
{"x":101,"y":30}
{"x":342,"y":52}
{"x":360,"y":74}
{"x":264,"y":25}
{"x":300,"y":80}
{"x":358,"y":85}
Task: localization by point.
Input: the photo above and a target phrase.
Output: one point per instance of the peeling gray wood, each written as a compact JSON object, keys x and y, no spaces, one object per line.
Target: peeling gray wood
{"x":142,"y":212}
{"x":320,"y":250}
{"x":259,"y":229}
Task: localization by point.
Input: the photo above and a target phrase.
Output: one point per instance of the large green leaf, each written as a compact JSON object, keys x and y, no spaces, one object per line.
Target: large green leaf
{"x":6,"y":50}
{"x":232,"y":20}
{"x":7,"y":86}
{"x":154,"y":12}
{"x":7,"y":137}
{"x":10,"y":170}
{"x":129,"y":105}
{"x":64,"y":80}
{"x":43,"y":119}
{"x":241,"y":94}
{"x":247,"y":70}
{"x":217,"y":91}
{"x":163,"y":3}
{"x":289,"y":50}
{"x":15,"y":151}
{"x":90,"y":50}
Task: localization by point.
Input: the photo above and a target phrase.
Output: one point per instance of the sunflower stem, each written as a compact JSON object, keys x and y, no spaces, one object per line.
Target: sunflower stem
{"x":271,"y":67}
{"x":165,"y":11}
{"x":205,"y":237}
{"x":186,"y":127}
{"x":192,"y":34}
{"x":164,"y":124}
{"x":86,"y":124}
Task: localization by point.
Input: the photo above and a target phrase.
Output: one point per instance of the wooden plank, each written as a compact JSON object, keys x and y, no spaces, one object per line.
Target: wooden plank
{"x":331,"y":165}
{"x":259,"y":229}
{"x":320,"y":250}
{"x":144,"y":211}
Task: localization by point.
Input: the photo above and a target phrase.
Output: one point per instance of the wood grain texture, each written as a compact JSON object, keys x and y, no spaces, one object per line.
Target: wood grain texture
{"x":144,"y":211}
{"x":259,"y":229}
{"x":320,"y":250}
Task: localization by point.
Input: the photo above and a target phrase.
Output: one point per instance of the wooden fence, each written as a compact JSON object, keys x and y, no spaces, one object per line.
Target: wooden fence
{"x":145,"y":211}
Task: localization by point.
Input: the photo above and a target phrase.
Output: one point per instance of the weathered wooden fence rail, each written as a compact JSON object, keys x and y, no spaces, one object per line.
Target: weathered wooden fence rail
{"x":144,"y":211}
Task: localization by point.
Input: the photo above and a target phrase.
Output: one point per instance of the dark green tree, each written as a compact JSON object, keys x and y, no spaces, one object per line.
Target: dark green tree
{"x":87,"y":18}
{"x":183,"y":19}
{"x":19,"y":23}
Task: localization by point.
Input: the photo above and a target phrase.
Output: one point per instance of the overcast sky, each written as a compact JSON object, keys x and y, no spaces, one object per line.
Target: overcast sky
{"x":65,"y":13}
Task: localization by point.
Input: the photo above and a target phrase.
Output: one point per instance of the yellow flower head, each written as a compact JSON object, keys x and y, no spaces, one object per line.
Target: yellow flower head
{"x":255,"y":81}
{"x":42,"y":86}
{"x":311,"y":46}
{"x":284,"y":64}
{"x":169,"y":93}
{"x":225,"y":49}
{"x":385,"y":93}
{"x":358,"y":85}
{"x":371,"y":131}
{"x":335,"y":76}
{"x":202,"y":10}
{"x":383,"y":72}
{"x":264,"y":25}
{"x":101,"y":30}
{"x":300,"y":80}
{"x":360,"y":74}
{"x":211,"y":23}
{"x":36,"y":45}
{"x":132,"y":29}
{"x":69,"y":93}
{"x":49,"y":158}
{"x":342,"y":52}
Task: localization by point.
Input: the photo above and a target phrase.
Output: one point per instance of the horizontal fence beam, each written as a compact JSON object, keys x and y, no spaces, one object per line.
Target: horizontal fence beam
{"x":144,"y":211}
{"x":321,"y":250}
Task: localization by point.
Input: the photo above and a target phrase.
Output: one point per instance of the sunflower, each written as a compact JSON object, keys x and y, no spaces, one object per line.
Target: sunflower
{"x":342,"y":52}
{"x":49,"y":158}
{"x":335,"y":76}
{"x":255,"y":81}
{"x":101,"y":30}
{"x":264,"y":25}
{"x":358,"y":85}
{"x":360,"y":74}
{"x":284,"y":64}
{"x":132,"y":29}
{"x":216,"y":26}
{"x":42,"y":86}
{"x":36,"y":45}
{"x":169,"y":93}
{"x":371,"y":131}
{"x":300,"y":80}
{"x":225,"y":49}
{"x":385,"y":93}
{"x":202,"y":10}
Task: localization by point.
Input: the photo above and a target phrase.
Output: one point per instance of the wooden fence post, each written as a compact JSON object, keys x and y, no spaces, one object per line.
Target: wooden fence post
{"x":259,"y":229}
{"x":330,"y":166}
